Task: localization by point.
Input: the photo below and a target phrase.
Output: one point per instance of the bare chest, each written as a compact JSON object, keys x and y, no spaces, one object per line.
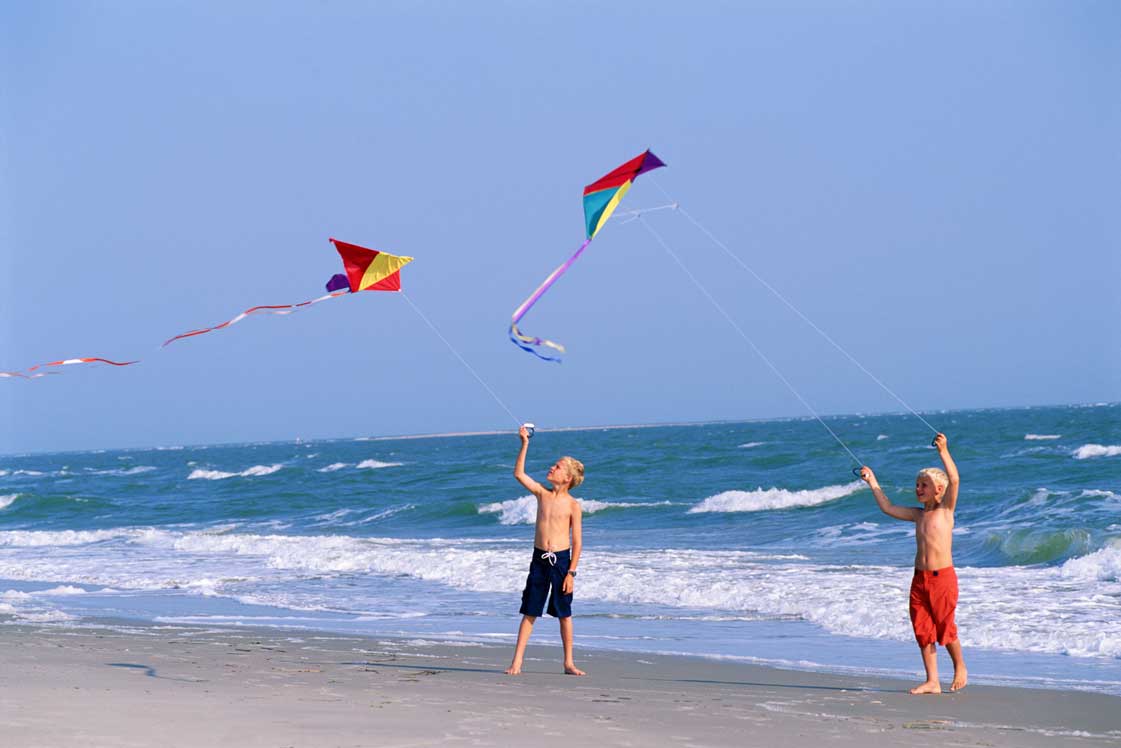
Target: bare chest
{"x":935,"y":526}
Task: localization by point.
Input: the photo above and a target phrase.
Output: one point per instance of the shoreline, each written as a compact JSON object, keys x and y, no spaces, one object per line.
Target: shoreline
{"x":194,"y":685}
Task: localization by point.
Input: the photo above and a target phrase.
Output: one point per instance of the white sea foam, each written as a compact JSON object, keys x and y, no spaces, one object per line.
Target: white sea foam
{"x":376,"y":464}
{"x":3,"y":473}
{"x":1103,"y":565}
{"x":7,"y":499}
{"x":1041,"y":437}
{"x":256,"y":470}
{"x":333,"y":467}
{"x":1069,"y":609}
{"x":137,"y":470}
{"x":751,"y":445}
{"x":881,"y":437}
{"x":763,"y":499}
{"x":66,"y":589}
{"x":523,"y":511}
{"x":34,"y":538}
{"x":1086,"y":451}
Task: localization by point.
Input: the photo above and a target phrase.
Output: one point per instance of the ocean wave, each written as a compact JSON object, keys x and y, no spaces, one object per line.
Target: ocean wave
{"x":35,"y":538}
{"x":1041,"y":437}
{"x":1086,"y":451}
{"x":1069,"y":609}
{"x":137,"y":470}
{"x":774,"y":498}
{"x":1103,"y":565}
{"x":256,"y":470}
{"x":1033,"y":546}
{"x":7,"y":499}
{"x":523,"y":511}
{"x":376,"y":464}
{"x":333,"y":467}
{"x":751,"y":445}
{"x":881,"y":437}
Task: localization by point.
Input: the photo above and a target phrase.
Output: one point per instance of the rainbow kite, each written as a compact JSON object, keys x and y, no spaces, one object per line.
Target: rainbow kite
{"x":366,"y":270}
{"x":601,"y":198}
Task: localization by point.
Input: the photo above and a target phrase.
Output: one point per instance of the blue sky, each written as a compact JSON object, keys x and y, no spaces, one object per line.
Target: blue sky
{"x":936,"y":185}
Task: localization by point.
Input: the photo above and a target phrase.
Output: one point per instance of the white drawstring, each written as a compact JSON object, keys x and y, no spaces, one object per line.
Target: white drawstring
{"x":550,"y":557}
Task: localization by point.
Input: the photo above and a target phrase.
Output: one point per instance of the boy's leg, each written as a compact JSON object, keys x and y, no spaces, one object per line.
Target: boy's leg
{"x":930,"y":663}
{"x":961,"y":675}
{"x":524,"y":630}
{"x":566,"y":639}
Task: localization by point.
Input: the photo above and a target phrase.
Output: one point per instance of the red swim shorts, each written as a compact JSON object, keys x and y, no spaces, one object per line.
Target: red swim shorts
{"x":934,"y":598}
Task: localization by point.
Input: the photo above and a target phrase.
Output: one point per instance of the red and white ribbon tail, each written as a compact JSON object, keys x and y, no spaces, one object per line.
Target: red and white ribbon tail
{"x":265,"y":309}
{"x":90,"y":360}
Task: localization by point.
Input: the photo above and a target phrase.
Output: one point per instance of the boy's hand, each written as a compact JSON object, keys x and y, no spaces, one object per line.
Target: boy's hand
{"x":940,"y":442}
{"x":868,"y":476}
{"x":524,"y":434}
{"x":568,"y":585}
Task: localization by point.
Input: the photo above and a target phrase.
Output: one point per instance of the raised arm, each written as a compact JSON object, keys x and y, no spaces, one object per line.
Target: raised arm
{"x":950,"y":498}
{"x":907,"y":513}
{"x":531,"y":485}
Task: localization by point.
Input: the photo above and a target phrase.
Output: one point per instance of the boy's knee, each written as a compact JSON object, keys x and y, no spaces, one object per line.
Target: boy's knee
{"x":529,"y":619}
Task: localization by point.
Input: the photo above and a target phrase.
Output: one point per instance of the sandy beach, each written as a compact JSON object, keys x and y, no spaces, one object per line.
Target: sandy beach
{"x":183,"y":686}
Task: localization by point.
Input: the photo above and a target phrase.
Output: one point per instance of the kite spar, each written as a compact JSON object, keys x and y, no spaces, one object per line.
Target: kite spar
{"x":601,"y":198}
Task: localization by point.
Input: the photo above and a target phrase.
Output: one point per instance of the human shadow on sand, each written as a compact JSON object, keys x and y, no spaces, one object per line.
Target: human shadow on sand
{"x":150,"y":671}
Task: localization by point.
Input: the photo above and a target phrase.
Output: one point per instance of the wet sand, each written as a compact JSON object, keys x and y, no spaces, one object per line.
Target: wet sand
{"x":183,"y":686}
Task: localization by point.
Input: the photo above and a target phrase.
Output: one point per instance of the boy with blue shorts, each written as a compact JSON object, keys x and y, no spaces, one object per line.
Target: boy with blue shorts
{"x":556,"y":552}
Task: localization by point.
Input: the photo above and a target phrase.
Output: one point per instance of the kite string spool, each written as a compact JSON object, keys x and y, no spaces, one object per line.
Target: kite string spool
{"x":462,"y":360}
{"x":735,"y":258}
{"x":738,"y":329}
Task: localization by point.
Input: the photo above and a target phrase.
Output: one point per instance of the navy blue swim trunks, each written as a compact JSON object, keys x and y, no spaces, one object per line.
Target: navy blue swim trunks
{"x":547,"y":571}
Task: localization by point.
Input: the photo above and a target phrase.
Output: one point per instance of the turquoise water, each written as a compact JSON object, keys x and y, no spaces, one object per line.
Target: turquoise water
{"x":749,"y":540}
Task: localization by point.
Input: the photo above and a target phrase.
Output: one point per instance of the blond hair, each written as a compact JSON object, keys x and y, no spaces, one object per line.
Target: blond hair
{"x":575,"y":470}
{"x":937,"y":476}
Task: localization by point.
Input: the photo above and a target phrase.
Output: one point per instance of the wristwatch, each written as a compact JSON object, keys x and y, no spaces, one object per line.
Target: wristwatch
{"x":572,"y":572}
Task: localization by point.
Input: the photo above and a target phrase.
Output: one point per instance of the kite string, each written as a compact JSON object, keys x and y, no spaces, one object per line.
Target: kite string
{"x":796,"y":310}
{"x":462,"y":360}
{"x":738,"y":329}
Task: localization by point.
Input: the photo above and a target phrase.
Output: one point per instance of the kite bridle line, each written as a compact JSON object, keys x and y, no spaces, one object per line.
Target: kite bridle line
{"x":793,"y":308}
{"x":631,"y":215}
{"x":462,"y":360}
{"x":749,"y":341}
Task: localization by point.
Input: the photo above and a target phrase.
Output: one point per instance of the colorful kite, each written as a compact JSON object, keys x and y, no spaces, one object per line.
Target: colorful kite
{"x":366,"y":270}
{"x":601,"y":198}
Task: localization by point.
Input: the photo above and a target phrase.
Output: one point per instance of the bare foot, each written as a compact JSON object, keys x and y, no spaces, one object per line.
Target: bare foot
{"x":573,"y":670}
{"x":931,"y":686}
{"x":514,"y":670}
{"x":961,"y":677}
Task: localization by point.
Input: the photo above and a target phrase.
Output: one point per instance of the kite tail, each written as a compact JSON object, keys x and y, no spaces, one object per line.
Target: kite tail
{"x":524,"y":341}
{"x":266,"y":309}
{"x":90,"y":360}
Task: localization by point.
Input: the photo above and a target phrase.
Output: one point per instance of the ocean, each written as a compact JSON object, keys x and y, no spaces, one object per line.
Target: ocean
{"x":747,"y":540}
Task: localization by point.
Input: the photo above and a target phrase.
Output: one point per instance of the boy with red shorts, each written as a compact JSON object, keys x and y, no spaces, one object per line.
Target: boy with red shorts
{"x":934,"y":588}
